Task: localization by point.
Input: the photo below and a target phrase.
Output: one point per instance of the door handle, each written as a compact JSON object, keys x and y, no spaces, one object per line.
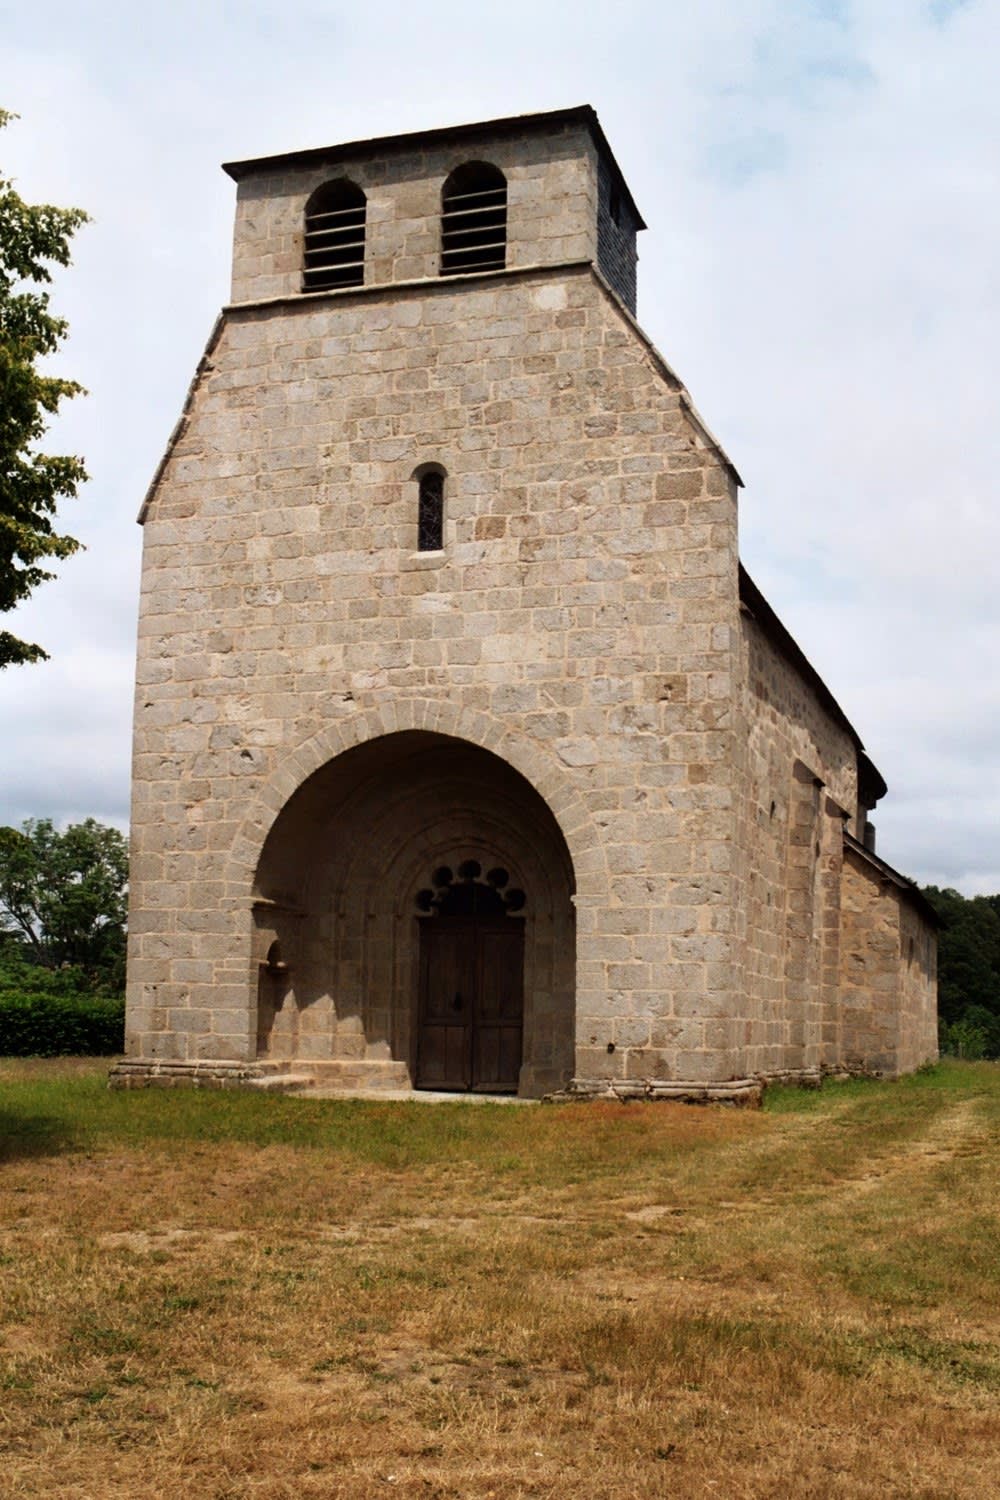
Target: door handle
{"x":456,"y":1004}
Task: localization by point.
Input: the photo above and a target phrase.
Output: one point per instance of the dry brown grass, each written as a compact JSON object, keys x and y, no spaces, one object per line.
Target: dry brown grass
{"x":227,"y":1296}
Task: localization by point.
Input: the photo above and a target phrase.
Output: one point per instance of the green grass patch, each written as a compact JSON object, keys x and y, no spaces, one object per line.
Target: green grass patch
{"x":563,"y":1145}
{"x":227,"y":1293}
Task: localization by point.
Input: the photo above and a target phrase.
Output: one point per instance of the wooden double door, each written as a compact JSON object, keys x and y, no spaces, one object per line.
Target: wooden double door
{"x":471,"y":1006}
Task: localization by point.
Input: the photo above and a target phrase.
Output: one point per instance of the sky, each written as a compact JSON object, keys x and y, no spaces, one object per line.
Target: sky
{"x":821,"y":268}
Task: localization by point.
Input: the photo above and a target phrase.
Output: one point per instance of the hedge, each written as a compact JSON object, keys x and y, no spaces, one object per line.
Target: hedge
{"x":61,"y":1026}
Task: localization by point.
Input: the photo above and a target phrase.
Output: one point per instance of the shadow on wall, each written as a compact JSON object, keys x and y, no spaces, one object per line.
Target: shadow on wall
{"x":341,"y":892}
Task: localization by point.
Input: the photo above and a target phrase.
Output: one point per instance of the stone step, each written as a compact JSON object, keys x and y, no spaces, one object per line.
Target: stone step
{"x":281,"y":1083}
{"x":416,"y":1096}
{"x":266,"y":1075}
{"x":360,"y":1073}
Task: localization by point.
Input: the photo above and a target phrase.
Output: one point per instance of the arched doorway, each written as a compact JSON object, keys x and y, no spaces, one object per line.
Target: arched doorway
{"x":422,"y":894}
{"x":470,"y":1013}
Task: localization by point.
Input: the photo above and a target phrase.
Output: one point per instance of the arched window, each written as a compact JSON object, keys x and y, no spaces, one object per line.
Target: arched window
{"x":335,"y":237}
{"x":430,"y":511}
{"x":474,"y":220}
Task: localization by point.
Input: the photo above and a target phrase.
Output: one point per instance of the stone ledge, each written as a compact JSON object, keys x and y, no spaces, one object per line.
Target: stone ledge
{"x":853,"y":1068}
{"x":804,"y":1078}
{"x":265,"y":1075}
{"x":223,"y":1073}
{"x":435,"y":284}
{"x":280,"y":1083}
{"x":746,"y":1092}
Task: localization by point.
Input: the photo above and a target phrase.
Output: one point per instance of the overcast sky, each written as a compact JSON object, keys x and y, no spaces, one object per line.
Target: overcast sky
{"x":822,"y":266}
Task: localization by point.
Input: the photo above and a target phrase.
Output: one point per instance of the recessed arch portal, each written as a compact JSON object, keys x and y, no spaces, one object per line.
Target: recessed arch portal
{"x":341,"y":883}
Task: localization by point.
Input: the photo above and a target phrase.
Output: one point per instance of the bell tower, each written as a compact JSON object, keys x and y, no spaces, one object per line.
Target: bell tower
{"x":505,"y":195}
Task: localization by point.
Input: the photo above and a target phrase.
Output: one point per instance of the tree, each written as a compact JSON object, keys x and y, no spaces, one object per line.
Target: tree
{"x":63,"y":895}
{"x":968,"y":972}
{"x":31,"y":483}
{"x":968,"y":952}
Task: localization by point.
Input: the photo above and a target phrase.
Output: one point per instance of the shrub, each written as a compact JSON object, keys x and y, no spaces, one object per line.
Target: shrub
{"x":963,"y":1039}
{"x":986,"y":1021}
{"x":53,"y":1013}
{"x":73,"y":1026}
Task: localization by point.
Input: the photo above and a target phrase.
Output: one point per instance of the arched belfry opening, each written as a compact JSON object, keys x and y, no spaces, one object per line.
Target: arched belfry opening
{"x":474,"y":220}
{"x":421,"y":892}
{"x":334,"y":243}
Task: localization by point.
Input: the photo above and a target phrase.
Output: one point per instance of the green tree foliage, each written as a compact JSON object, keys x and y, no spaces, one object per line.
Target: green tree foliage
{"x":32,"y":237}
{"x":63,"y":896}
{"x":968,"y":972}
{"x":53,"y":1013}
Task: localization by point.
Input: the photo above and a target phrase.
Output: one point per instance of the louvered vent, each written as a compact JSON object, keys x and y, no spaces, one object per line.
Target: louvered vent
{"x":474,"y":220}
{"x":335,"y":237}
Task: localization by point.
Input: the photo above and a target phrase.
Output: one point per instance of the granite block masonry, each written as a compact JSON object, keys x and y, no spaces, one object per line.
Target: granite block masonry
{"x":467,"y":756}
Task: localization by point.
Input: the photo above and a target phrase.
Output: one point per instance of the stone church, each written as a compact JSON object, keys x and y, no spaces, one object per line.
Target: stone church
{"x":467,"y":755}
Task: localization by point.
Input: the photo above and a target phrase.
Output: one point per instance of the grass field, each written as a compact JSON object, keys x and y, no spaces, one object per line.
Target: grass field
{"x":224,"y":1295}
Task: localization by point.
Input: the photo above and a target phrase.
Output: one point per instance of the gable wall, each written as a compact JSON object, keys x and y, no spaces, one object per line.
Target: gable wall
{"x":584,"y":612}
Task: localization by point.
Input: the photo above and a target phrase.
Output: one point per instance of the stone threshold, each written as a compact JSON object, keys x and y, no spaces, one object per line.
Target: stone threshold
{"x":410,"y":1096}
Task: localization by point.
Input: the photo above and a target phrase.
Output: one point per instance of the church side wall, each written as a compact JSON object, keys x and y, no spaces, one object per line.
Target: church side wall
{"x":797,"y":777}
{"x":918,"y":1014}
{"x":582,"y":612}
{"x":888,"y":976}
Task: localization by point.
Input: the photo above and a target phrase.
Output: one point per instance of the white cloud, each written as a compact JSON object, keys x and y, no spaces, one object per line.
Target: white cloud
{"x":822,"y":268}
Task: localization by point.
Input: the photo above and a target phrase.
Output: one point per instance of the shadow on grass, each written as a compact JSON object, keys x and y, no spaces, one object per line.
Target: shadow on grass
{"x":24,"y":1137}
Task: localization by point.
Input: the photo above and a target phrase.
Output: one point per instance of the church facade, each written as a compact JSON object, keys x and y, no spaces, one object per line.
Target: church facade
{"x":467,"y":755}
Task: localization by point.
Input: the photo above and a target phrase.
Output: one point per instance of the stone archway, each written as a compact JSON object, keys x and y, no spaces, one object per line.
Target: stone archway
{"x":343,"y":883}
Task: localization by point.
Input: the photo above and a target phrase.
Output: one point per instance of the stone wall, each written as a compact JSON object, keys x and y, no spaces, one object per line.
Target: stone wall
{"x":917,"y":1038}
{"x":616,"y":232}
{"x":888,"y":972}
{"x":551,"y":209}
{"x":797,"y":774}
{"x":581,"y":623}
{"x":839,"y":957}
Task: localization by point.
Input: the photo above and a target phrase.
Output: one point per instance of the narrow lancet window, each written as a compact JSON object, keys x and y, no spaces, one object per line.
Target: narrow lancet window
{"x":430,"y":517}
{"x":474,"y":220}
{"x":335,"y":237}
